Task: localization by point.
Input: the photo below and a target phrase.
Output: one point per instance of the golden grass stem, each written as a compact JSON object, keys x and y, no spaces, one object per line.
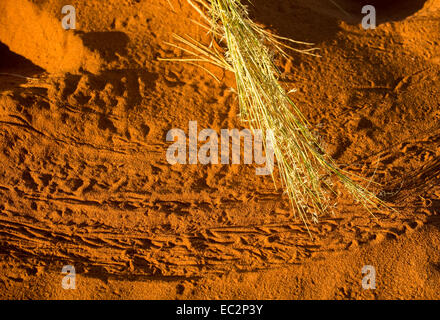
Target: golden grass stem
{"x":305,"y":169}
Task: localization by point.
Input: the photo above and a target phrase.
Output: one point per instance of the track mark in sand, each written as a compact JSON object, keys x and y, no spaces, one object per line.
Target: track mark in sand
{"x":105,"y":205}
{"x":116,"y":251}
{"x":421,"y":158}
{"x":213,"y":250}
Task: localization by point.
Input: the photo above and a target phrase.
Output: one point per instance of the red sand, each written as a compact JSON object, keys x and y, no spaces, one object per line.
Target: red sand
{"x":84,"y":179}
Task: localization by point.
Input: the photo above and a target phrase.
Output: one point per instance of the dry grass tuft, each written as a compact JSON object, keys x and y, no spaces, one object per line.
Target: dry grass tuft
{"x":305,"y":170}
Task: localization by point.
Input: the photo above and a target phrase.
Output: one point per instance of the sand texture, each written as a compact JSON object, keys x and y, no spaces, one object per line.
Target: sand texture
{"x":84,"y":178}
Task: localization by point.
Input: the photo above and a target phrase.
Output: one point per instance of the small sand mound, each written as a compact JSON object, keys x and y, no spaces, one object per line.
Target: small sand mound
{"x":39,"y":37}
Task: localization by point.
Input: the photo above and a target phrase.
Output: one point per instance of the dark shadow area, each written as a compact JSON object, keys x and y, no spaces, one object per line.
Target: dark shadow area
{"x":13,"y":68}
{"x":386,"y":10}
{"x":295,"y":19}
{"x":108,"y":44}
{"x":10,"y":62}
{"x":316,"y":21}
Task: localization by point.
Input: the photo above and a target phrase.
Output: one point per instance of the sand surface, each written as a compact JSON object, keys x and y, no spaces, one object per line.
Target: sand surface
{"x":84,"y":179}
